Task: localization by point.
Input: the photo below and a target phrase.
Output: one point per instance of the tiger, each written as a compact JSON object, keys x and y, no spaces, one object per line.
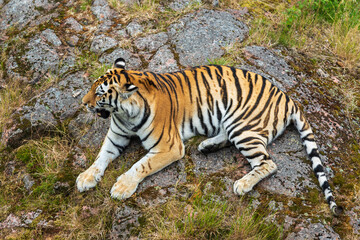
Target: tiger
{"x":228,"y":105}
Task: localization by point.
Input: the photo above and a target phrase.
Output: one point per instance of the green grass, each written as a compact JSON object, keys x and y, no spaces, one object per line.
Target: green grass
{"x":220,"y":61}
{"x":208,"y":217}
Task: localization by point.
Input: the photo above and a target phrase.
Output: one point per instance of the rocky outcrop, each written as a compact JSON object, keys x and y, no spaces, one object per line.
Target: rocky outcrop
{"x":193,"y":39}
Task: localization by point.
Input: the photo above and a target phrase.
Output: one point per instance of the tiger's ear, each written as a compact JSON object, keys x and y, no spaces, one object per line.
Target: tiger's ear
{"x":119,"y":63}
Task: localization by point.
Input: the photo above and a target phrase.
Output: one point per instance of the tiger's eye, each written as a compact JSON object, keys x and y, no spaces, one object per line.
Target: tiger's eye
{"x":109,"y":91}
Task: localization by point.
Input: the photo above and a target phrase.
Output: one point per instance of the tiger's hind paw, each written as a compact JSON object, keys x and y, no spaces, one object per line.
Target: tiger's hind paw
{"x":242,"y":186}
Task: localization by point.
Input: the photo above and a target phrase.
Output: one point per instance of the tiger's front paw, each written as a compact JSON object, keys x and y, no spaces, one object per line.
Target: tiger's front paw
{"x":123,"y":188}
{"x":242,"y":186}
{"x":88,"y":179}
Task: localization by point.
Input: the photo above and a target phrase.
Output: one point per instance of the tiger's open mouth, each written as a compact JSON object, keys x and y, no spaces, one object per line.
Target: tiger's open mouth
{"x":102,"y":113}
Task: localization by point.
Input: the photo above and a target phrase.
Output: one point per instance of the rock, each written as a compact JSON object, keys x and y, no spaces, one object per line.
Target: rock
{"x":201,"y":35}
{"x":11,"y":221}
{"x":322,"y":73}
{"x":73,"y":24}
{"x":163,"y":61}
{"x":43,"y":113}
{"x":41,"y":56}
{"x":28,"y":181}
{"x":89,"y":130}
{"x":19,"y":13}
{"x":102,"y":10}
{"x":126,"y":219}
{"x":73,"y":40}
{"x":212,"y":162}
{"x":132,"y":62}
{"x":134,"y":28}
{"x":169,"y":176}
{"x":80,"y":159}
{"x":61,"y":187}
{"x":29,"y":217}
{"x":355,"y":219}
{"x":179,"y":5}
{"x":51,"y":37}
{"x":273,"y":65}
{"x":313,"y":231}
{"x":102,"y":43}
{"x":152,"y":42}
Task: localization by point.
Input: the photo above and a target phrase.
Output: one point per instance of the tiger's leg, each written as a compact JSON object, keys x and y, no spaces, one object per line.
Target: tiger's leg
{"x":262,"y":166}
{"x":215,"y":143}
{"x":113,"y":146}
{"x":154,"y":161}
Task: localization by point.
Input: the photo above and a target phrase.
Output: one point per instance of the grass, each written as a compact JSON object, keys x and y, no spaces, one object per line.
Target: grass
{"x":220,"y":61}
{"x":207,"y":217}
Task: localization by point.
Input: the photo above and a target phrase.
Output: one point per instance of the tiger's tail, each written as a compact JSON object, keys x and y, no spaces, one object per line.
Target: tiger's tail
{"x":308,"y":139}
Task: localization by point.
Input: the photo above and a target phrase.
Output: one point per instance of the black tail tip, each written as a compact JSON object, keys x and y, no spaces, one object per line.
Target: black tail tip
{"x":337,"y":210}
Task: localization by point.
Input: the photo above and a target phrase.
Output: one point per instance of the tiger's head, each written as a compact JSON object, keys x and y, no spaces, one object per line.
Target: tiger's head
{"x":111,"y":92}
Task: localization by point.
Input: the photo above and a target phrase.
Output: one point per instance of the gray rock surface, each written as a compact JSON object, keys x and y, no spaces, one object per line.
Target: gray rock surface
{"x":201,"y":35}
{"x":163,"y":61}
{"x":273,"y":65}
{"x":46,"y":111}
{"x":19,"y":13}
{"x":126,"y":219}
{"x":152,"y":42}
{"x":134,"y":28}
{"x":313,"y":231}
{"x":178,"y":5}
{"x":102,"y":10}
{"x":73,"y":24}
{"x":102,"y":43}
{"x":41,"y":56}
{"x":51,"y":37}
{"x":28,"y":181}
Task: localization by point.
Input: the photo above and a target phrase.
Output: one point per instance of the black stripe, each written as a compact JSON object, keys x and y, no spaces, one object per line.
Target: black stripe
{"x":197,"y":86}
{"x":240,"y":131}
{"x":119,"y":148}
{"x":325,"y":186}
{"x":261,"y":113}
{"x":188,"y":84}
{"x":318,"y":169}
{"x":146,"y":137}
{"x":145,"y":115}
{"x":210,"y":120}
{"x":218,"y":112}
{"x":255,"y":155}
{"x":307,"y":137}
{"x":117,"y":125}
{"x":247,"y":140}
{"x":119,"y":134}
{"x":157,"y":142}
{"x":330,"y":199}
{"x":257,"y":99}
{"x":201,"y":118}
{"x":314,"y":153}
{"x":237,"y":83}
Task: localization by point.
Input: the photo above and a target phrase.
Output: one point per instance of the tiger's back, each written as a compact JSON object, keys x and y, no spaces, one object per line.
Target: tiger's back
{"x":228,"y":105}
